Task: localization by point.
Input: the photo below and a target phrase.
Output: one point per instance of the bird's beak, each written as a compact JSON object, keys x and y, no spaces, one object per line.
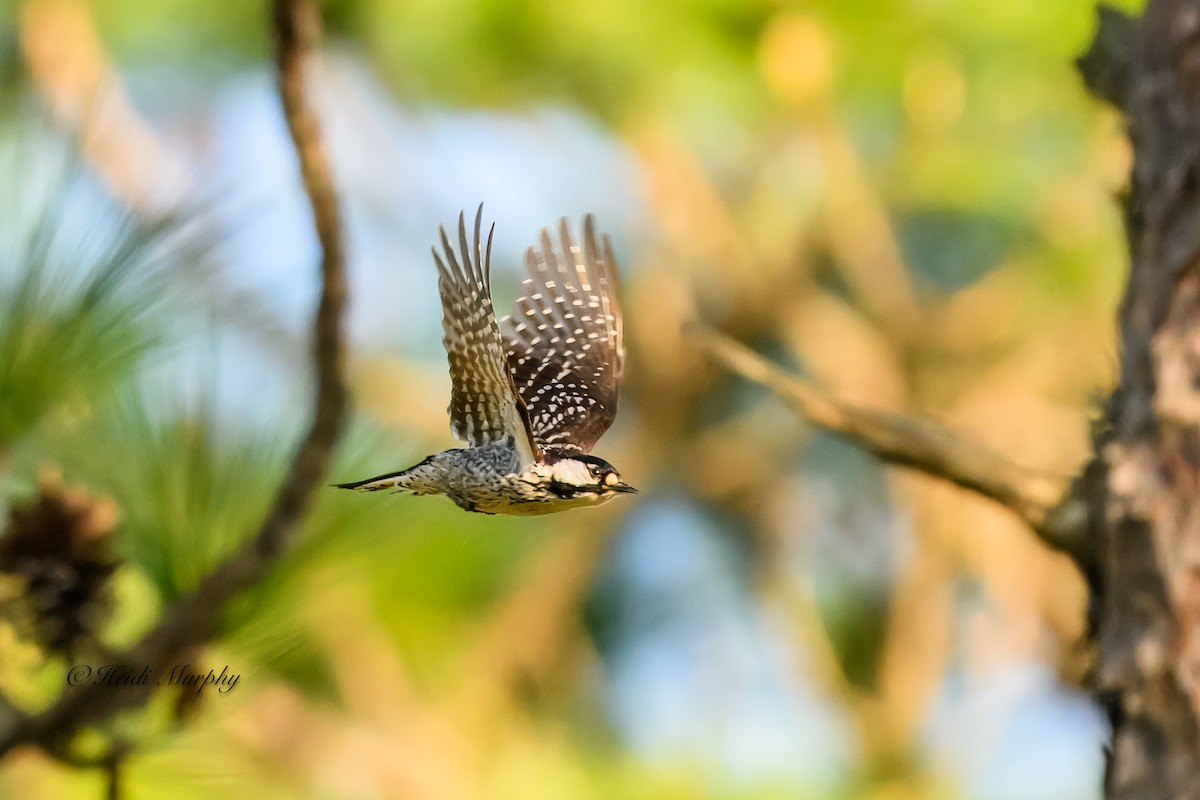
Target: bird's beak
{"x":622,"y":486}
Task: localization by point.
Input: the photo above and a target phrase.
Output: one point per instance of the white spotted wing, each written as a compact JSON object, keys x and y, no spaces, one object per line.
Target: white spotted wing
{"x":564,"y":342}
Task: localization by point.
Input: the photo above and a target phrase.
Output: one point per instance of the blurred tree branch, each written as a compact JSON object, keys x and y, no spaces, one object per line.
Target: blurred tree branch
{"x":921,"y":444}
{"x":74,"y":75}
{"x":193,"y":618}
{"x":1131,"y":518}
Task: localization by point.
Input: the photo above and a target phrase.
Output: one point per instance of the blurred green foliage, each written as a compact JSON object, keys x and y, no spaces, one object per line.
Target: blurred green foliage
{"x":75,"y":299}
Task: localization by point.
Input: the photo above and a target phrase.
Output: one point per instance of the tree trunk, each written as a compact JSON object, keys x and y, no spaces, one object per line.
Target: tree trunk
{"x":1143,"y":489}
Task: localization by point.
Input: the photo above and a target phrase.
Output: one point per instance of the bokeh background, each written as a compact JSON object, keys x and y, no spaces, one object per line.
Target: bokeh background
{"x":909,"y":202}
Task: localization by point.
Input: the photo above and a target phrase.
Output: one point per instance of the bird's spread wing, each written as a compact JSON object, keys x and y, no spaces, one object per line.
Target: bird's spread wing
{"x":564,"y":341}
{"x":484,"y":404}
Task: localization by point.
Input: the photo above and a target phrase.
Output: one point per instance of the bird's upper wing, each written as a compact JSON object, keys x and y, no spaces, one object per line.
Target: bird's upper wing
{"x":565,"y":345}
{"x":484,"y":404}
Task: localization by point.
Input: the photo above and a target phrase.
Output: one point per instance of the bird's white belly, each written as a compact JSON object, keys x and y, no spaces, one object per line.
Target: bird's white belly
{"x":534,"y":508}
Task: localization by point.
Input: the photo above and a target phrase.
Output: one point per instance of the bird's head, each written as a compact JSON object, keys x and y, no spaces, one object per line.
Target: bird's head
{"x":585,"y":474}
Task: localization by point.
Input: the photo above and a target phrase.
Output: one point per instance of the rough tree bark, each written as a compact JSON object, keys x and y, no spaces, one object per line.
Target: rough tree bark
{"x":1143,"y":488}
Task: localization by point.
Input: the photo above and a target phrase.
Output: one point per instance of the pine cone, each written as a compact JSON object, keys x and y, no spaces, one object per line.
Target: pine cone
{"x":59,"y":545}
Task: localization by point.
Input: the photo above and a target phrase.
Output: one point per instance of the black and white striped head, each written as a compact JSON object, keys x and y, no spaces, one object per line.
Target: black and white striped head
{"x":579,"y":475}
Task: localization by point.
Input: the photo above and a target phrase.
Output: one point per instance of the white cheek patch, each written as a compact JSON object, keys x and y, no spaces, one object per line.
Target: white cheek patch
{"x":572,"y":473}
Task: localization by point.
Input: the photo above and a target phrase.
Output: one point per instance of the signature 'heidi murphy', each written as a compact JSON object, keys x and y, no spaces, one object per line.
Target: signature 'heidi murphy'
{"x":183,"y":675}
{"x":180,"y":675}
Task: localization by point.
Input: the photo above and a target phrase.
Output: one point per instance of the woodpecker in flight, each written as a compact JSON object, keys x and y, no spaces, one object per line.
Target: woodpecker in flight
{"x":532,"y":394}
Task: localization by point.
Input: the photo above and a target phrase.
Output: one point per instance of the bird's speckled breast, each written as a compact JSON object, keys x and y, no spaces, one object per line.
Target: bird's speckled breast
{"x":485,"y":479}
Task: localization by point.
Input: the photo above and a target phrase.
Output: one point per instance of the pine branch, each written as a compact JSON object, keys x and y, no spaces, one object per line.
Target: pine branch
{"x":193,"y":618}
{"x":923,"y":445}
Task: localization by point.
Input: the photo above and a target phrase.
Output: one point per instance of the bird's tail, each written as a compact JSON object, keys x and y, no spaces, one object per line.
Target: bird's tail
{"x":417,"y":479}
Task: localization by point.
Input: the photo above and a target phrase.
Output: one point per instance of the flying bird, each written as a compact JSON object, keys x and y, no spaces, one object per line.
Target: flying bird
{"x":532,"y":394}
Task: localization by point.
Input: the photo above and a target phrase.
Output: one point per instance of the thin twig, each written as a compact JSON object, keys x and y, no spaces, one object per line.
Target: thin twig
{"x":112,"y":776}
{"x":921,"y":444}
{"x":193,"y":618}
